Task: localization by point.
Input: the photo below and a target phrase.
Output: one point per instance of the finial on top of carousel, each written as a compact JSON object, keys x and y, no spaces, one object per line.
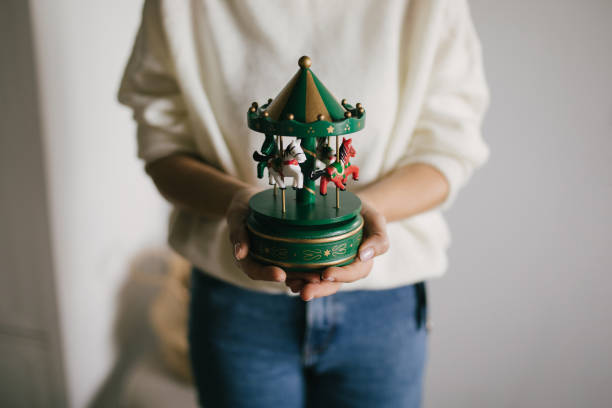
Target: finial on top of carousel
{"x":305,"y":62}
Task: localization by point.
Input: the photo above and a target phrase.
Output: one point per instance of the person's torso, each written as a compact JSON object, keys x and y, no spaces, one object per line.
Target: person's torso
{"x":248,"y":50}
{"x":228,"y":54}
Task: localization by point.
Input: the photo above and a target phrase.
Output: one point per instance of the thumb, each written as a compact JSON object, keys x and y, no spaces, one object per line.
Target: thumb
{"x":238,"y":235}
{"x":236,"y":216}
{"x":376,"y":241}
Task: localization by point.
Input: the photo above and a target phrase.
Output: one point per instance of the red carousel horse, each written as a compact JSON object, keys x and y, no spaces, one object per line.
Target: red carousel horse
{"x":339,"y":170}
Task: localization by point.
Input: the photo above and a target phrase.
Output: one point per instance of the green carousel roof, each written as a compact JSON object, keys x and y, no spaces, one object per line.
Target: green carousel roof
{"x":305,"y":108}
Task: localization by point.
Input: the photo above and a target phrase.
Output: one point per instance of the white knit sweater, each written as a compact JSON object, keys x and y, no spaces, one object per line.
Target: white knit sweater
{"x":415,"y":65}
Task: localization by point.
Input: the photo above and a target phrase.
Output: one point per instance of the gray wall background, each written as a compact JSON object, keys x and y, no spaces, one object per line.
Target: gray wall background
{"x":522,"y":319}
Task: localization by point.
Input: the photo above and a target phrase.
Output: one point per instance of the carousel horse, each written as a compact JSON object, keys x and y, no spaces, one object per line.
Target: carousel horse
{"x":339,"y":170}
{"x":286,"y":166}
{"x":269,"y":149}
{"x":325,"y":154}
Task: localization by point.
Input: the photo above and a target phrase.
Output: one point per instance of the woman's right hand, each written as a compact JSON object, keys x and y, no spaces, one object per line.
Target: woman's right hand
{"x":236,"y":215}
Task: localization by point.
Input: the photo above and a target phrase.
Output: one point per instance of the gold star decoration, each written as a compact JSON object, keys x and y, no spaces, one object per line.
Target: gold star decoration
{"x":326,"y":253}
{"x":330,"y":129}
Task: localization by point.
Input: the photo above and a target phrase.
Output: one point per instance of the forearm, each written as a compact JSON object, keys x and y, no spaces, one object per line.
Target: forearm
{"x":407,"y":191}
{"x":193,"y":185}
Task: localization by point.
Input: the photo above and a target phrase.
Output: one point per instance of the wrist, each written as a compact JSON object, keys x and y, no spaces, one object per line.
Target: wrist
{"x":369,"y":203}
{"x":240,"y":198}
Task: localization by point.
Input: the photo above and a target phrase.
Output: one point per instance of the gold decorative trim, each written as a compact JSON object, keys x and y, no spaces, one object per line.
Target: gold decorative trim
{"x":309,"y":152}
{"x":310,"y":190}
{"x":314,"y":103}
{"x":304,"y":266}
{"x":278,"y":104}
{"x":308,"y":241}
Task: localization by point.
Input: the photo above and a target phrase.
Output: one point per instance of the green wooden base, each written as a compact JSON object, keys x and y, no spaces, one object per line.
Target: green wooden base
{"x":305,"y":237}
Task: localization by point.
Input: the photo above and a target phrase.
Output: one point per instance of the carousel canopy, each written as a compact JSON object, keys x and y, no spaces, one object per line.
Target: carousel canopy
{"x":305,"y":108}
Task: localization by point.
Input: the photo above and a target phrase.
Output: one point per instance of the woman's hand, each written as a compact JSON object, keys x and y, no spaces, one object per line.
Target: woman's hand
{"x":310,"y":285}
{"x":375,"y":243}
{"x":236,"y":216}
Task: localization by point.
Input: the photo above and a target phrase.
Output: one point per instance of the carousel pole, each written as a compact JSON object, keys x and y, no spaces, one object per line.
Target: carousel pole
{"x":338,"y":161}
{"x":283,"y":199}
{"x":275,"y":186}
{"x":307,"y":194}
{"x":280,"y":138}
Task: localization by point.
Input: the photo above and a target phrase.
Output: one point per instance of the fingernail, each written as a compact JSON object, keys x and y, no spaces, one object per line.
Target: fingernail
{"x":366,"y":254}
{"x":237,"y":247}
{"x":330,"y":279}
{"x":308,"y":299}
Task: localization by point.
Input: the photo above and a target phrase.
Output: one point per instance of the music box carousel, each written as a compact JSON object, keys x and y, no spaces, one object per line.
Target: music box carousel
{"x":296,"y":228}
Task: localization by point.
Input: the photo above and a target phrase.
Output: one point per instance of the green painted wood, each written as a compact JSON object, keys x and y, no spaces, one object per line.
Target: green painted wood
{"x":298,"y":248}
{"x":296,"y":103}
{"x":308,"y":194}
{"x":312,"y":234}
{"x":269,"y":147}
{"x":268,"y":208}
{"x":331,"y":103}
{"x":259,"y":123}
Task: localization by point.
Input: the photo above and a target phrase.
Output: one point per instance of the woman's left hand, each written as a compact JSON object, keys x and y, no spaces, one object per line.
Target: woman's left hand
{"x":375,"y":242}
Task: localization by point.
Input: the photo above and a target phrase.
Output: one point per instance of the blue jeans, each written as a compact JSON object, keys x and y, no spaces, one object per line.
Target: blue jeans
{"x":352,"y":349}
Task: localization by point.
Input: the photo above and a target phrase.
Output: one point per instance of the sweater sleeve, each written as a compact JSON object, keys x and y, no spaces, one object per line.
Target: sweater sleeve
{"x":447,"y":134}
{"x":150,"y":88}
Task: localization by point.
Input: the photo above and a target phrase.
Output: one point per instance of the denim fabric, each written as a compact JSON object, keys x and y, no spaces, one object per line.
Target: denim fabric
{"x":352,"y":349}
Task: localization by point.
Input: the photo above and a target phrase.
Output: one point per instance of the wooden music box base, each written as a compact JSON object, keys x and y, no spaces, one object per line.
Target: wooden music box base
{"x":305,"y":237}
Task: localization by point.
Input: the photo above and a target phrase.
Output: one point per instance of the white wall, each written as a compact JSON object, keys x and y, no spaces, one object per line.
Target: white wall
{"x":31,"y":363}
{"x":103,"y":208}
{"x":522,"y":318}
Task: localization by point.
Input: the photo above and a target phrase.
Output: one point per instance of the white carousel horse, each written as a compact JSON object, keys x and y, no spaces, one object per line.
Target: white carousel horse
{"x":288,"y":166}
